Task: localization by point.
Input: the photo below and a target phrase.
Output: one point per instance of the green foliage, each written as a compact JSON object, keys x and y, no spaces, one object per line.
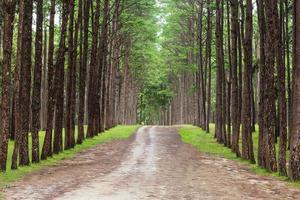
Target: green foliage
{"x":141,"y":23}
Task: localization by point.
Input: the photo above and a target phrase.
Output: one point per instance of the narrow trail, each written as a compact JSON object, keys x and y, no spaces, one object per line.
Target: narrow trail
{"x":154,"y":164}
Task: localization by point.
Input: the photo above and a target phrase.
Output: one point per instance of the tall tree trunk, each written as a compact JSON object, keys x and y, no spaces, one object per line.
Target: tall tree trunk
{"x":16,"y":113}
{"x":295,"y":145}
{"x":269,"y":92}
{"x":281,"y":93}
{"x":74,"y":93}
{"x":69,"y":131}
{"x":240,"y":59}
{"x":94,"y":76}
{"x":262,"y":74}
{"x":82,"y":72}
{"x":8,"y":8}
{"x":208,"y":64}
{"x":234,"y":91}
{"x":229,"y":82}
{"x":224,"y":103}
{"x":103,"y":63}
{"x":59,"y":81}
{"x":219,"y":95}
{"x":25,"y":80}
{"x":288,"y":65}
{"x":47,"y":146}
{"x":36,"y":93}
{"x":115,"y":60}
{"x":202,"y":98}
{"x":247,"y":152}
{"x":44,"y":92}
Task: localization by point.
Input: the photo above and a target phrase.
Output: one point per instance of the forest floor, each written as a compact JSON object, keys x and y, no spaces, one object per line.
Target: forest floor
{"x":152,"y":164}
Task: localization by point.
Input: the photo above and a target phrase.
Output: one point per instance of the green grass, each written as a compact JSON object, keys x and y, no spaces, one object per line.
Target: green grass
{"x":117,"y":133}
{"x":206,"y":143}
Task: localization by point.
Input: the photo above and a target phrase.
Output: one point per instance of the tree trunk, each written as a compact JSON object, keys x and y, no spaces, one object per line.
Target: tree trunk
{"x":262,"y":73}
{"x":281,"y":93}
{"x":103,"y":64}
{"x":247,"y":152}
{"x":25,"y":80}
{"x":8,"y":8}
{"x":295,"y":145}
{"x":69,"y":130}
{"x":229,"y":82}
{"x":36,"y":93}
{"x":219,"y":95}
{"x":93,"y":82}
{"x":44,"y":92}
{"x":47,"y":146}
{"x":59,"y":82}
{"x":288,"y":65}
{"x":269,"y":92}
{"x":234,"y":87}
{"x":208,"y":64}
{"x":17,"y":115}
{"x":82,"y":72}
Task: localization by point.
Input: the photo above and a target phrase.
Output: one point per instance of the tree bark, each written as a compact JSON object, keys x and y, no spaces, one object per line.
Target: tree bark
{"x":281,"y":85}
{"x":82,"y":72}
{"x":25,"y":80}
{"x":103,"y":64}
{"x":16,"y":113}
{"x":47,"y":146}
{"x":59,"y":81}
{"x":8,"y":9}
{"x":69,"y":129}
{"x":295,"y":145}
{"x":219,"y":95}
{"x":269,"y":97}
{"x":208,"y":64}
{"x":247,"y":151}
{"x":262,"y":74}
{"x":36,"y":93}
{"x":234,"y":87}
{"x":94,"y":74}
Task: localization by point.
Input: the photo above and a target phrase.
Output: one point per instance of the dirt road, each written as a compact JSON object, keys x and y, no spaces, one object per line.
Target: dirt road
{"x":154,"y":164}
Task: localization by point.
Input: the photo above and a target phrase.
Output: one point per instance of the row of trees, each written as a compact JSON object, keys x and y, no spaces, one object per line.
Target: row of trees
{"x":66,"y":64}
{"x":70,"y":63}
{"x":247,"y":51}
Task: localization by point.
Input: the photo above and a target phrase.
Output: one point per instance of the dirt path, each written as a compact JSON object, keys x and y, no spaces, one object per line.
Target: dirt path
{"x":154,"y":164}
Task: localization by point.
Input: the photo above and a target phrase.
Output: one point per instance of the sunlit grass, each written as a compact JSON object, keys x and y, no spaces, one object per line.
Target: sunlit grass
{"x":117,"y":133}
{"x":206,"y":143}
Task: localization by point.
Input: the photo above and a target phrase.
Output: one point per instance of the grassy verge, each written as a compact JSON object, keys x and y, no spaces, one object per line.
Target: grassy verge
{"x":206,"y":143}
{"x":117,"y":133}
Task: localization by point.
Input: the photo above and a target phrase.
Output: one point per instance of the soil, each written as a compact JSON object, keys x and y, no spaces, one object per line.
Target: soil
{"x":154,"y":164}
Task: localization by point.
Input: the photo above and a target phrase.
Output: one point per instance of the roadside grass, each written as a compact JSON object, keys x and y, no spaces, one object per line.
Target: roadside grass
{"x":206,"y":143}
{"x":117,"y":133}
